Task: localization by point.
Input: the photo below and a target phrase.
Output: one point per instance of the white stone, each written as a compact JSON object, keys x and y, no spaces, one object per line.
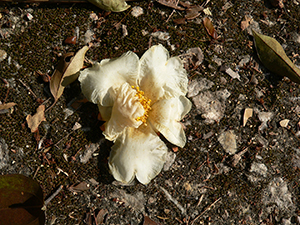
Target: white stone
{"x":284,"y":123}
{"x":228,"y":141}
{"x":137,"y":11}
{"x":247,"y":114}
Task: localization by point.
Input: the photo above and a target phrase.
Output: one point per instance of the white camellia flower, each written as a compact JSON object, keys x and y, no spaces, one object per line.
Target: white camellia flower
{"x":139,"y":98}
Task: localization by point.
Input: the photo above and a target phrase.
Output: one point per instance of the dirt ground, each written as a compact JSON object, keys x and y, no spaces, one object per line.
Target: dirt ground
{"x":228,"y":172}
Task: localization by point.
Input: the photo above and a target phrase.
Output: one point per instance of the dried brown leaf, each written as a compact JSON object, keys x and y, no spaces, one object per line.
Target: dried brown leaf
{"x":66,"y":72}
{"x":100,"y":216}
{"x":148,"y":221}
{"x":185,"y":4}
{"x":83,"y":186}
{"x":170,"y":3}
{"x":7,"y":105}
{"x":35,"y":120}
{"x":272,"y":55}
{"x":209,"y":27}
{"x":192,"y":14}
{"x":245,"y":23}
{"x":179,"y":21}
{"x":193,"y":11}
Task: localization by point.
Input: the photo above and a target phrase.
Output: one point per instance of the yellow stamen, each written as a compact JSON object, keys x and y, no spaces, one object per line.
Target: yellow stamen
{"x":145,"y":103}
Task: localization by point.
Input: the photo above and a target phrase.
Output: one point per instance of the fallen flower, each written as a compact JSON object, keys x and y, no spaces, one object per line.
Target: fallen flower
{"x":139,"y":98}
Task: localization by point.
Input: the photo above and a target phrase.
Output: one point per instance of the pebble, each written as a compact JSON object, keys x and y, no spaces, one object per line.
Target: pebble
{"x":195,"y":55}
{"x":277,"y":194}
{"x":4,"y":154}
{"x":88,"y":36}
{"x":137,"y":11}
{"x":284,"y":123}
{"x":233,"y":74}
{"x":264,"y":117}
{"x":124,"y":30}
{"x":196,"y":86}
{"x":211,"y":105}
{"x":244,"y":60}
{"x":94,"y":16}
{"x":29,"y":16}
{"x":228,"y":141}
{"x":163,"y":36}
{"x":169,"y":161}
{"x":247,"y":114}
{"x":259,"y":168}
{"x":3,"y":55}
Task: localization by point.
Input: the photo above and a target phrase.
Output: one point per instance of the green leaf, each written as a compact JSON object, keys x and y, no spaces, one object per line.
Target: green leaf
{"x":273,"y":57}
{"x":111,"y":5}
{"x":21,"y":200}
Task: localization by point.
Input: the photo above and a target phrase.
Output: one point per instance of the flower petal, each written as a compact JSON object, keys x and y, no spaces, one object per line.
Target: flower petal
{"x":105,"y":112}
{"x":138,"y":152}
{"x":124,"y":112}
{"x":161,"y":76}
{"x":100,"y":82}
{"x":165,"y":116}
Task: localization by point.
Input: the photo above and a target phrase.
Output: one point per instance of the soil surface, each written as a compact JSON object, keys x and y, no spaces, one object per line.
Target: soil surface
{"x":229,"y":172}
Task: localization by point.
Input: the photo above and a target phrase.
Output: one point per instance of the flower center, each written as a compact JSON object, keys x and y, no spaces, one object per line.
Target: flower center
{"x":145,"y":102}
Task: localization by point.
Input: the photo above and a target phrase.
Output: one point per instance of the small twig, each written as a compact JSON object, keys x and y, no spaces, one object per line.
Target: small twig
{"x":208,"y":208}
{"x":37,"y":170}
{"x":170,"y":198}
{"x":200,"y":200}
{"x":237,"y":157}
{"x":172,"y":12}
{"x":63,"y":138}
{"x":52,"y":196}
{"x":116,"y":24}
{"x":28,"y":88}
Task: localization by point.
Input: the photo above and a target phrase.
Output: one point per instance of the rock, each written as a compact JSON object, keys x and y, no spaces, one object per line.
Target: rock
{"x":88,"y":152}
{"x":264,"y":117}
{"x":195,"y":55}
{"x":247,"y":114}
{"x":244,"y":60}
{"x":228,"y":141}
{"x":277,"y":195}
{"x":259,"y":169}
{"x":163,"y":36}
{"x":197,"y":86}
{"x":93,"y":16}
{"x":211,"y":105}
{"x":217,"y":60}
{"x":88,"y":36}
{"x":296,"y":158}
{"x":4,"y":157}
{"x":284,"y":123}
{"x":233,"y":74}
{"x":3,"y":55}
{"x":135,"y":201}
{"x":258,"y":139}
{"x":136,"y":11}
{"x":171,"y":156}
